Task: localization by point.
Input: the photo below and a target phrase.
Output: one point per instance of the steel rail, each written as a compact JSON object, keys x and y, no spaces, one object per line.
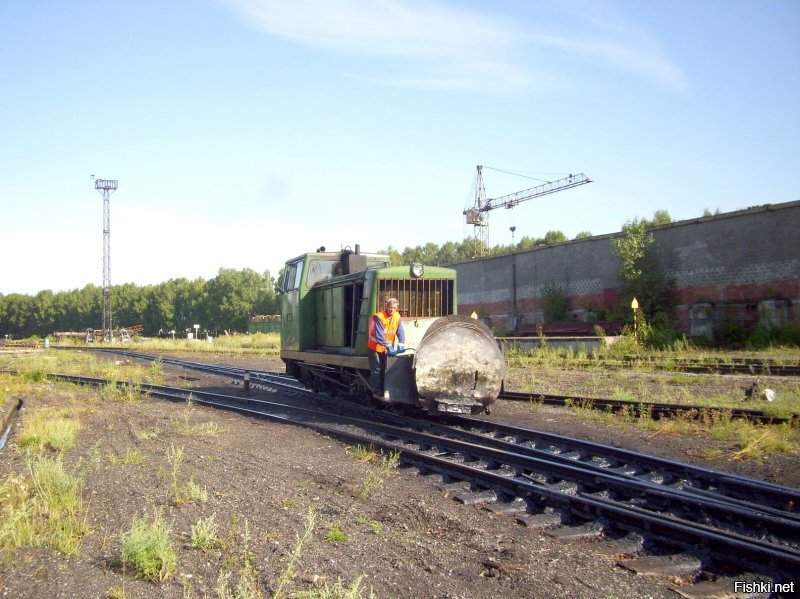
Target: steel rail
{"x":742,"y":366}
{"x":691,"y":478}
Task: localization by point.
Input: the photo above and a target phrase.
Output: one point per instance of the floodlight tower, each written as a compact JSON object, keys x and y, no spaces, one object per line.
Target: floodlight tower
{"x":106,"y":187}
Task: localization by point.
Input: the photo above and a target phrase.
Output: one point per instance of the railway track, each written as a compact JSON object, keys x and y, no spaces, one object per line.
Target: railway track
{"x":667,"y":513}
{"x":653,"y":409}
{"x":749,"y":366}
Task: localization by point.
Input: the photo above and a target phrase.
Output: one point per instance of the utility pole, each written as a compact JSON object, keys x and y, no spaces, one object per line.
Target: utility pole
{"x":106,"y":187}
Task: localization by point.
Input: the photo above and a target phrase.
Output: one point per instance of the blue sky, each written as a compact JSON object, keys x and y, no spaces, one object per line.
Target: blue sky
{"x":245,"y":132}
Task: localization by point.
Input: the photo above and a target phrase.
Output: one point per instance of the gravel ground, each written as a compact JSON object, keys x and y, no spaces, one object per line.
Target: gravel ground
{"x":406,"y":537}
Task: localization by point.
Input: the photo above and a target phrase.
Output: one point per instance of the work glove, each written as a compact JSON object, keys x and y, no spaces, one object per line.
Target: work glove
{"x":400,"y":348}
{"x":391,"y":351}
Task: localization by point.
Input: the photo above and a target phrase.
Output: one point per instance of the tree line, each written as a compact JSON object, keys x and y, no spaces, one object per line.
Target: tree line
{"x":225,"y":302}
{"x":470,"y":248}
{"x":454,"y":251}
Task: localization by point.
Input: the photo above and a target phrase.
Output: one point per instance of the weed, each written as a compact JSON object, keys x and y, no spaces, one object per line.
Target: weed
{"x":147,"y":435}
{"x":338,"y":591}
{"x":387,"y":465}
{"x":289,"y":572}
{"x":712,"y":453}
{"x":363,"y":454}
{"x":205,"y":534}
{"x":132,"y":456}
{"x":239,"y":558}
{"x":335,"y":534}
{"x":148,"y":548}
{"x":203,"y":429}
{"x":157,"y":369}
{"x":376,"y":526}
{"x":246,"y":587}
{"x":36,"y":375}
{"x":536,"y":402}
{"x":46,"y":509}
{"x":189,"y":491}
{"x":623,"y":396}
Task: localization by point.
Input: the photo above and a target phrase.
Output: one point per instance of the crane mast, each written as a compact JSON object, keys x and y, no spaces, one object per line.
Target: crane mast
{"x":478,"y":215}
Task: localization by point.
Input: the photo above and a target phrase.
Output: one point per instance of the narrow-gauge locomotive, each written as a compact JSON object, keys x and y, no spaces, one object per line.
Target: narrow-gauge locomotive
{"x":452,"y":363}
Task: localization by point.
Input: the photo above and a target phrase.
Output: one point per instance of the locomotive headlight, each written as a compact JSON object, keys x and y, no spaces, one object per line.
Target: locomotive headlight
{"x":417,"y":270}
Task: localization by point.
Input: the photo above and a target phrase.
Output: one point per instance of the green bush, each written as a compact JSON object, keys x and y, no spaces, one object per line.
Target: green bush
{"x":554,"y":303}
{"x":148,"y":548}
{"x":771,"y":336}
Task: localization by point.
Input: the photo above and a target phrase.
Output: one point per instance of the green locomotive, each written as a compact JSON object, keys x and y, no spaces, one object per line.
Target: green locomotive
{"x":452,"y":363}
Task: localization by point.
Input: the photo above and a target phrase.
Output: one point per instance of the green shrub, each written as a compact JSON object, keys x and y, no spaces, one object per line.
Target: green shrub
{"x":554,"y":303}
{"x":771,"y":336}
{"x":205,"y":533}
{"x":148,"y":548}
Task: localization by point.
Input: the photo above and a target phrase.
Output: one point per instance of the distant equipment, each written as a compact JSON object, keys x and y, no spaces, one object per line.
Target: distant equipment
{"x":106,"y":187}
{"x":478,"y":215}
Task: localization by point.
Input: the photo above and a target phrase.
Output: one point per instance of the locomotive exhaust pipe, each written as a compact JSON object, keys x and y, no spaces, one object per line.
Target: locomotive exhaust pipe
{"x":458,"y":366}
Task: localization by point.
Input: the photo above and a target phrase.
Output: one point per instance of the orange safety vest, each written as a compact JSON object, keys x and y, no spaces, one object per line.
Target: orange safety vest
{"x":390,"y":326}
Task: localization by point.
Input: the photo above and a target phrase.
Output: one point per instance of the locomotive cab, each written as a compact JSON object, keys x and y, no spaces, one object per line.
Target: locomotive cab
{"x":452,"y":364}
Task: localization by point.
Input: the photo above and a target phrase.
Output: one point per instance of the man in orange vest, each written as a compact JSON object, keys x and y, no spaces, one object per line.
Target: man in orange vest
{"x":384,"y":328}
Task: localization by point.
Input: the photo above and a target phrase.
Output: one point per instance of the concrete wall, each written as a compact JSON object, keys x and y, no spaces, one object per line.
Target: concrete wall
{"x":741,"y":267}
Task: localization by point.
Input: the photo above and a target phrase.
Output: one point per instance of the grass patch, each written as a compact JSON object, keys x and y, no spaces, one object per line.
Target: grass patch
{"x":335,"y":534}
{"x":130,"y":392}
{"x":130,"y":457}
{"x":44,"y":509}
{"x":387,"y":465}
{"x":148,"y":549}
{"x":43,"y":429}
{"x":184,"y":425}
{"x":376,"y":526}
{"x":362,"y":453}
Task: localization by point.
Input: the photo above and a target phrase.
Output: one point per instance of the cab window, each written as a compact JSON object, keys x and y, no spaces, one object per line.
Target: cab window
{"x":320,"y":270}
{"x":293,"y":272}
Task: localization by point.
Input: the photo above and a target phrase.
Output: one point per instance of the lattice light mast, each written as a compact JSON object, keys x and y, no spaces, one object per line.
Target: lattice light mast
{"x":106,"y":187}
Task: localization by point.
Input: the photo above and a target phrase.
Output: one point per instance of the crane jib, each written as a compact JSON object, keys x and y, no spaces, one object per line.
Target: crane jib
{"x":511,"y":200}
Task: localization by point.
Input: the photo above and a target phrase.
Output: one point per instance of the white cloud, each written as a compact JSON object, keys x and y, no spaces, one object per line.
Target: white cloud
{"x":449,"y":47}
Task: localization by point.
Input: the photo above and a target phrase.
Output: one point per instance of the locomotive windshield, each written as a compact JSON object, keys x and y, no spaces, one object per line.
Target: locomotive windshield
{"x":320,"y":270}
